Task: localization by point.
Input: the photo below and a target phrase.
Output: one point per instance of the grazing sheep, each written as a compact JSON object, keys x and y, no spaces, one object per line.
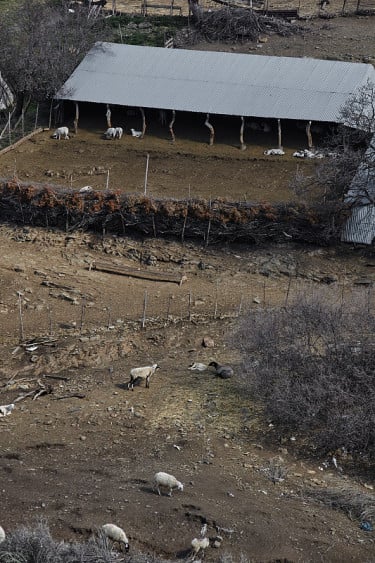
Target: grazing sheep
{"x":86,"y":189}
{"x":136,"y":133}
{"x":5,"y":410}
{"x":199,"y":544}
{"x":274,"y":152}
{"x":197,"y":366}
{"x":116,"y":534}
{"x":166,"y":481}
{"x":2,"y":534}
{"x":110,"y":133}
{"x":119,"y":132}
{"x":223,"y":371}
{"x":142,"y":373}
{"x":61,"y":132}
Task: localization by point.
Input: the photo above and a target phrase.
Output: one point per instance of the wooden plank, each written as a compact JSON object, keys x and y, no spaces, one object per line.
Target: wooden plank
{"x":136,"y":273}
{"x":20,"y":141}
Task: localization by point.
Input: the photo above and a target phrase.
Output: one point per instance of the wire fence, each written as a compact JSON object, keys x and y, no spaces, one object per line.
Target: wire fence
{"x":75,"y":313}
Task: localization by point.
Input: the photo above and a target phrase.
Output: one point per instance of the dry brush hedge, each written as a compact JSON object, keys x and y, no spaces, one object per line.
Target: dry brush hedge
{"x":214,"y":221}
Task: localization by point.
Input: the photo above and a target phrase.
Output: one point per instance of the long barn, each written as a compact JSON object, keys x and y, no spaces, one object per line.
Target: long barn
{"x":215,"y":83}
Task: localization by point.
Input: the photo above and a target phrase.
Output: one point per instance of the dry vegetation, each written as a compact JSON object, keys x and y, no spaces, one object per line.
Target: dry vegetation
{"x":84,"y":453}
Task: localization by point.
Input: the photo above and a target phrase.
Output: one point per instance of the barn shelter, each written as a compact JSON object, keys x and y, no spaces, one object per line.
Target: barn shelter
{"x":220,"y":83}
{"x":360,"y":227}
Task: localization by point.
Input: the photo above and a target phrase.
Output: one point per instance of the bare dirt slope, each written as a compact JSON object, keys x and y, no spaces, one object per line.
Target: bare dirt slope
{"x":83,"y":460}
{"x":86,"y":453}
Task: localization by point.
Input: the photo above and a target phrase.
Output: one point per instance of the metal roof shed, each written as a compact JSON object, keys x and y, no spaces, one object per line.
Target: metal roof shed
{"x":215,"y":82}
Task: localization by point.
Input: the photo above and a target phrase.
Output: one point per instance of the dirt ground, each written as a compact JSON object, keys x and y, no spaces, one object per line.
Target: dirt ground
{"x":85,"y":453}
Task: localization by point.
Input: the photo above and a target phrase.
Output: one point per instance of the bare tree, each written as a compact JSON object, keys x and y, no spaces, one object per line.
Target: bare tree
{"x":349,"y":165}
{"x":41,"y":44}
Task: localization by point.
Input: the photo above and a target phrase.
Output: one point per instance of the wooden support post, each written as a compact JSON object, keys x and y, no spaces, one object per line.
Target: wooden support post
{"x":146,"y":174}
{"x":76,"y":118}
{"x":50,"y":115}
{"x":143,"y":122}
{"x":36,"y":116}
{"x":243,"y":146}
{"x":144,"y":310}
{"x":212,"y":131}
{"x":22,"y":334}
{"x":279,"y":142}
{"x":171,"y":125}
{"x":9,"y":129}
{"x":309,"y":137}
{"x":108,"y":116}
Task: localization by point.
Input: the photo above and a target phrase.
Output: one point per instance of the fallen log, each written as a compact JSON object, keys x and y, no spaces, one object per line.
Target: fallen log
{"x":136,"y":273}
{"x":20,"y":141}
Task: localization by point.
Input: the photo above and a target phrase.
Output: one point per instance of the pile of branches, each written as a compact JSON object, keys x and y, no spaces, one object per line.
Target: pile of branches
{"x":239,"y":25}
{"x":213,"y":222}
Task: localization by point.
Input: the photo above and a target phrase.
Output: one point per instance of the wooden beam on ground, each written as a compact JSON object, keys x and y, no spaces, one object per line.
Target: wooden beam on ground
{"x":135,"y":273}
{"x":18,"y":143}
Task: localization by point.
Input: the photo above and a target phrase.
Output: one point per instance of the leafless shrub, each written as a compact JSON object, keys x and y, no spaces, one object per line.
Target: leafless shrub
{"x":315,"y":370}
{"x":275,"y":471}
{"x":35,"y":544}
{"x":351,"y":501}
{"x":238,"y":24}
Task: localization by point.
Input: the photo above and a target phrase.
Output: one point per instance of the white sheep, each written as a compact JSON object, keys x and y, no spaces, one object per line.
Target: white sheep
{"x":197,"y":366}
{"x":61,"y":132}
{"x":167,"y":481}
{"x":274,"y":152}
{"x":116,"y":534}
{"x":136,"y":133}
{"x":306,"y":153}
{"x":199,"y":544}
{"x":142,"y":373}
{"x":2,"y":534}
{"x":110,"y":133}
{"x":118,"y":132}
{"x":5,"y":410}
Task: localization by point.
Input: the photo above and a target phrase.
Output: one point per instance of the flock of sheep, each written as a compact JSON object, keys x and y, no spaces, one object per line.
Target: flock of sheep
{"x":111,"y":133}
{"x":118,"y":536}
{"x":144,"y":373}
{"x":162,"y":481}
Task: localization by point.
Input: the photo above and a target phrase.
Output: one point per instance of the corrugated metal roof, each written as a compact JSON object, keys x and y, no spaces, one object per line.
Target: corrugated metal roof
{"x":362,"y":187}
{"x":215,"y":82}
{"x":360,"y":227}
